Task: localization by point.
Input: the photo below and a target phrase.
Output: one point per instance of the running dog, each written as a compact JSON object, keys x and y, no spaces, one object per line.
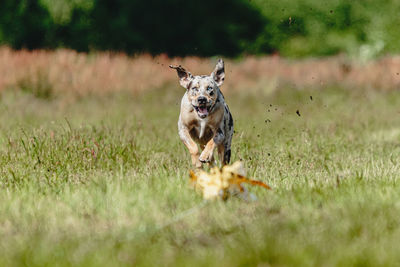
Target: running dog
{"x":205,"y":118}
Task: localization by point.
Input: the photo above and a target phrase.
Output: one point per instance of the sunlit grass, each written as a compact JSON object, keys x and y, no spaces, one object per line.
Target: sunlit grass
{"x":104,"y":181}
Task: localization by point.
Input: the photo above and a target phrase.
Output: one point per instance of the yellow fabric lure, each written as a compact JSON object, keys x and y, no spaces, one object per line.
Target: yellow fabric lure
{"x":223,"y":183}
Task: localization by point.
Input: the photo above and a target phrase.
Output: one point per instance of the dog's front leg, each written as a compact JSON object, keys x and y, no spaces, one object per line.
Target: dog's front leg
{"x":208,"y":152}
{"x":191,"y":145}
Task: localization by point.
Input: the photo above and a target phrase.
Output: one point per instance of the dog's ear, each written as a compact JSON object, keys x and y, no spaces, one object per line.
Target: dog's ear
{"x":219,"y":72}
{"x":185,"y":77}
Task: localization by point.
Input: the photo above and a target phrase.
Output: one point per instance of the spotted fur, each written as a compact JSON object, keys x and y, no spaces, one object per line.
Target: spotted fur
{"x":205,"y":118}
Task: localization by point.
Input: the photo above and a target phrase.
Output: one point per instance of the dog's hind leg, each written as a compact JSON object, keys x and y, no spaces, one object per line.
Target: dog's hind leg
{"x":228,"y":140}
{"x":221,"y":152}
{"x":225,"y":153}
{"x":224,"y":149}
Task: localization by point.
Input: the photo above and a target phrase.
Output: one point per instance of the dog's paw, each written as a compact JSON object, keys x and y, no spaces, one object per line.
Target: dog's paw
{"x":205,"y":157}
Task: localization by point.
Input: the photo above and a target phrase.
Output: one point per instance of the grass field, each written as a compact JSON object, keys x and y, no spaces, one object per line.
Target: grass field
{"x":103,"y":181}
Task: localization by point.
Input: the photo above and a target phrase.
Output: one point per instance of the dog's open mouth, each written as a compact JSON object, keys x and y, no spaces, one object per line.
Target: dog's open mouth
{"x":202,"y":111}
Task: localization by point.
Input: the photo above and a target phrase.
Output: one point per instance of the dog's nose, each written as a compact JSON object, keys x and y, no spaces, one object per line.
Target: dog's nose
{"x":202,"y":100}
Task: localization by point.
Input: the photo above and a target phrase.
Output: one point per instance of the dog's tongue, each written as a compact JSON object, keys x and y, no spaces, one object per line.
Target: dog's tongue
{"x":203,"y":111}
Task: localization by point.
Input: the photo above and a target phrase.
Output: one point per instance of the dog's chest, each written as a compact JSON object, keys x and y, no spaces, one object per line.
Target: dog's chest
{"x":201,"y":131}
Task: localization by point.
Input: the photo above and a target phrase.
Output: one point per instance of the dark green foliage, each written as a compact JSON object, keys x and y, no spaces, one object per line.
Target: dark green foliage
{"x":360,"y":28}
{"x":176,"y":27}
{"x":24,"y":24}
{"x":204,"y":28}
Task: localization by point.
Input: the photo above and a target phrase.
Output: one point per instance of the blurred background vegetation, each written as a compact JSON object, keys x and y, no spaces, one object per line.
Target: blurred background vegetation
{"x":291,"y":28}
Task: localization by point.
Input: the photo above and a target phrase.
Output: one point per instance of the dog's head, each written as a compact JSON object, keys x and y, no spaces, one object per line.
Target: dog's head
{"x":202,"y":90}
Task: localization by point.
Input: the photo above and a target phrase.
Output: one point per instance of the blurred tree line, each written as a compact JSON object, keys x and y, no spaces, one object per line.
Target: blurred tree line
{"x":294,"y":28}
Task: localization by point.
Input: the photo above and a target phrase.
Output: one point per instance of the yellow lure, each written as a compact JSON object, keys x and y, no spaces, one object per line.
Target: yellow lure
{"x":224,"y":182}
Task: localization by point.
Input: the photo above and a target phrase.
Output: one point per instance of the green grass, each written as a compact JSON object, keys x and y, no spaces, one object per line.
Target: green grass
{"x":103,"y":181}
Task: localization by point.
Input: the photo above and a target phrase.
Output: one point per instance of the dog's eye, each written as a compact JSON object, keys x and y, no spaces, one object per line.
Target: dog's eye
{"x":195,"y":89}
{"x":210,"y":90}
